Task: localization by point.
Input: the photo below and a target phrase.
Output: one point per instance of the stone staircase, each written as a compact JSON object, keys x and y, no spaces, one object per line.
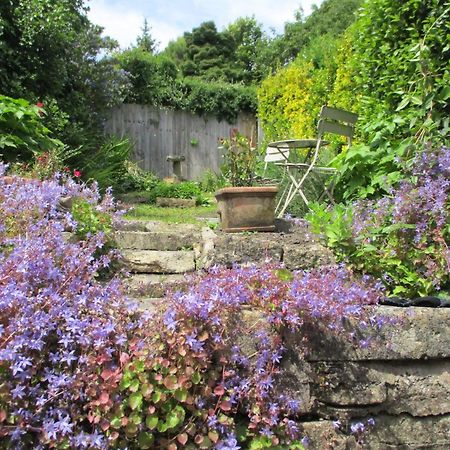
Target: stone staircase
{"x":157,"y":256}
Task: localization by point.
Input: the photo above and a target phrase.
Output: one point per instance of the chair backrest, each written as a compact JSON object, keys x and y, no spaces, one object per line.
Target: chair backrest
{"x":336,"y":121}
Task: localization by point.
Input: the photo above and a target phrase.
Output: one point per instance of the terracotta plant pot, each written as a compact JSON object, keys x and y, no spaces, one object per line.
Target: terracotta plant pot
{"x":247,"y":208}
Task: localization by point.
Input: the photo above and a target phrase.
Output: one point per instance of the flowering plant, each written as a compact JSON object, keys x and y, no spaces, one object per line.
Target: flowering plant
{"x":240,"y":159}
{"x":403,"y":238}
{"x":80,"y":368}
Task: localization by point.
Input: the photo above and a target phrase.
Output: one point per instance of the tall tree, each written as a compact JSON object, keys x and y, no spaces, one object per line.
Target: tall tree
{"x":145,"y":41}
{"x":332,"y":18}
{"x":50,"y":50}
{"x":249,"y":49}
{"x":208,"y":53}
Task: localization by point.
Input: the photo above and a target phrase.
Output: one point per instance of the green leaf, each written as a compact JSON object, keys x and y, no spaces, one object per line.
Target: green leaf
{"x":156,"y":396}
{"x":151,"y":422}
{"x":403,"y":104}
{"x":181,"y":395}
{"x":196,"y":378}
{"x":175,"y":417}
{"x":116,"y":422}
{"x":134,"y":385}
{"x":135,"y":400}
{"x":284,"y":274}
{"x":145,"y":440}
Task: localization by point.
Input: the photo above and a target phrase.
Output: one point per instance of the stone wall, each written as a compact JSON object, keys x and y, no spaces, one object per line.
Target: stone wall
{"x":402,"y":381}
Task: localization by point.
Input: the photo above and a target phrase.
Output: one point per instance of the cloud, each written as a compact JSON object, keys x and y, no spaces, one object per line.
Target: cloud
{"x":123,"y":19}
{"x":119,"y":22}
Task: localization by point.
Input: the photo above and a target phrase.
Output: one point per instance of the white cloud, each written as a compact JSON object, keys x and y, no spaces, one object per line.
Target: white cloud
{"x":119,"y":22}
{"x":123,"y":19}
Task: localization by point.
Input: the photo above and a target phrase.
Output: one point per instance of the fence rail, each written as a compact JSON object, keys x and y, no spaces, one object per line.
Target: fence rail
{"x":157,"y":133}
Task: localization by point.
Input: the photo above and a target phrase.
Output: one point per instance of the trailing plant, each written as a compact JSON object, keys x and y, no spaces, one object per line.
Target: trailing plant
{"x":402,"y":238}
{"x":79,"y":368}
{"x":137,"y":179}
{"x":89,"y":220}
{"x":196,"y":387}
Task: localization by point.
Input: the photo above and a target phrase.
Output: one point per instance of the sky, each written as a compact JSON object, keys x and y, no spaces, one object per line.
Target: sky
{"x":169,"y":19}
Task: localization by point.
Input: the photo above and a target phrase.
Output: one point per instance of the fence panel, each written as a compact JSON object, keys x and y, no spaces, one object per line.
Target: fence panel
{"x":157,"y":133}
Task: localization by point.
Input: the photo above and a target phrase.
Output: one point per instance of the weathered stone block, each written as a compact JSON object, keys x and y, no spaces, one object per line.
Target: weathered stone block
{"x":153,"y":285}
{"x":404,"y":432}
{"x":415,"y":387}
{"x":148,"y":304}
{"x":175,"y":202}
{"x":306,"y":256}
{"x":419,"y":333}
{"x":156,"y":240}
{"x":229,"y":249}
{"x":150,"y":261}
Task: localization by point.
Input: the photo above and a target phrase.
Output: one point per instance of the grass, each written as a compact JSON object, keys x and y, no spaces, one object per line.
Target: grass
{"x":172,"y":215}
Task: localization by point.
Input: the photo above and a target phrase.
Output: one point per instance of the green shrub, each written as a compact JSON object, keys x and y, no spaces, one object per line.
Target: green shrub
{"x":185,"y":189}
{"x":90,"y":220}
{"x":22,"y":132}
{"x":137,"y":179}
{"x":107,"y":163}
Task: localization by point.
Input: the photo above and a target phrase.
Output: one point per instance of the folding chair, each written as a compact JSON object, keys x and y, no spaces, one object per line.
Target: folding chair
{"x":333,"y":121}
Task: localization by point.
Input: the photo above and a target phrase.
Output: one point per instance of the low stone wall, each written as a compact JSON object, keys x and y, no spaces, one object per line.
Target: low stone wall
{"x":402,"y":381}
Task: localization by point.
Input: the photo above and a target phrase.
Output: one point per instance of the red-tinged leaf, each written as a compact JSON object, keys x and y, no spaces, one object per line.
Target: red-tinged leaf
{"x":104,"y":425}
{"x":182,"y":438}
{"x":124,"y":421}
{"x":182,"y":351}
{"x":198,"y":439}
{"x":114,"y":436}
{"x":172,"y":446}
{"x":104,"y":398}
{"x":124,"y":358}
{"x":171,"y":382}
{"x":225,"y":405}
{"x":107,"y":374}
{"x":2,"y":415}
{"x":151,"y":409}
{"x":158,"y":377}
{"x":219,"y":390}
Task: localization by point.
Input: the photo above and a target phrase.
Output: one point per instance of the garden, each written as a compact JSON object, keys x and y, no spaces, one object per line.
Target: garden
{"x":81,"y":366}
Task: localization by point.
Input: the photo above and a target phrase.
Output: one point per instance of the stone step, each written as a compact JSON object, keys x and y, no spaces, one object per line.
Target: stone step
{"x":157,"y":240}
{"x":159,"y":262}
{"x":149,"y":304}
{"x":151,"y":285}
{"x":156,"y":226}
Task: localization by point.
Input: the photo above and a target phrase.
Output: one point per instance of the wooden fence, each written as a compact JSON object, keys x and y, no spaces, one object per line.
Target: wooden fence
{"x":158,"y":133}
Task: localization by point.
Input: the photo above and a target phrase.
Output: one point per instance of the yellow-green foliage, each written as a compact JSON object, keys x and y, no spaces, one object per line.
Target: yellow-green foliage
{"x":287,"y":107}
{"x":290,"y":99}
{"x":344,"y":94}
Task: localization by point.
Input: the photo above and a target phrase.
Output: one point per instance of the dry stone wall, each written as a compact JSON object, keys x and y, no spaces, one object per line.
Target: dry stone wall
{"x":402,"y":380}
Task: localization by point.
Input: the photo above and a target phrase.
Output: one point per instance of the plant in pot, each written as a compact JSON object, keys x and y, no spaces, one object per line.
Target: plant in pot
{"x":244,"y":206}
